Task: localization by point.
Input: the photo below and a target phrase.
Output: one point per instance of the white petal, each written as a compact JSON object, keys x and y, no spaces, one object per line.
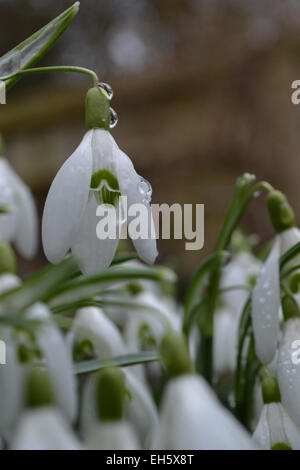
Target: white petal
{"x":58,"y":359}
{"x":192,"y":418}
{"x":292,"y":431}
{"x":91,"y":323}
{"x":112,"y":435}
{"x":129,"y":184}
{"x":9,"y":282}
{"x":265,"y":307}
{"x":92,"y":254}
{"x":142,"y":411}
{"x":225,"y":341}
{"x":24,"y":210}
{"x":66,"y":201}
{"x":27,"y":228}
{"x":44,"y":429}
{"x":261,"y":435}
{"x":11,"y":390}
{"x":288,"y":373}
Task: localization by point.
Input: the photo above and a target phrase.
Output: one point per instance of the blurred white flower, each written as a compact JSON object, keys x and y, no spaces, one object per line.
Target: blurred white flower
{"x":288,"y":371}
{"x":266,"y":297}
{"x":58,"y":360}
{"x":98,"y":172}
{"x":44,"y":428}
{"x":276,"y":427}
{"x":192,"y":418}
{"x":19,"y":224}
{"x":240,"y":272}
{"x":113,"y":435}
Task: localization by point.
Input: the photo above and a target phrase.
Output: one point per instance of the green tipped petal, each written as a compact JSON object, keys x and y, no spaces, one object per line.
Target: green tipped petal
{"x":280,"y":211}
{"x":110,"y":394}
{"x":175,"y":355}
{"x":270,"y":390}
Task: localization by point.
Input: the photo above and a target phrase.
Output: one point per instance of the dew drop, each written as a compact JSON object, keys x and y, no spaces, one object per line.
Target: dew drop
{"x":107,"y":88}
{"x":113,"y":118}
{"x":145,"y":190}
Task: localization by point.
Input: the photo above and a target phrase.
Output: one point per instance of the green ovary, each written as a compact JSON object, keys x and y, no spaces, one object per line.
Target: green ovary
{"x":106,"y":187}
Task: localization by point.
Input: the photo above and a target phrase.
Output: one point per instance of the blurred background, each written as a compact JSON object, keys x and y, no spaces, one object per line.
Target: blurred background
{"x":202,"y":91}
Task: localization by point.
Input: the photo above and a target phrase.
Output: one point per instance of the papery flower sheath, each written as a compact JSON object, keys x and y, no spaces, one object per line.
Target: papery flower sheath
{"x":19,"y":223}
{"x":97,"y":173}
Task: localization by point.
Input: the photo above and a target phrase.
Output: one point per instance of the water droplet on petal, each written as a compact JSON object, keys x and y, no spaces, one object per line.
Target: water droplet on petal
{"x":145,"y":189}
{"x":107,"y":88}
{"x":113,"y":118}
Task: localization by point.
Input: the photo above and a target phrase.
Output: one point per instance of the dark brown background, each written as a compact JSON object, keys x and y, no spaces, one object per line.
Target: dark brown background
{"x":202,"y":90}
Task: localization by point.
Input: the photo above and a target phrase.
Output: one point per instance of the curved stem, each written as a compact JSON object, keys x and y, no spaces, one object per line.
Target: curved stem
{"x":59,"y":68}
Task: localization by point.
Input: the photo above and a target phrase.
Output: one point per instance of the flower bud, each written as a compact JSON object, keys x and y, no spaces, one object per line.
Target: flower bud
{"x":280,"y":211}
{"x":8,"y":261}
{"x":110,"y":394}
{"x":39,"y":389}
{"x":175,"y":355}
{"x":270,"y":390}
{"x":97,"y":109}
{"x":289,"y":307}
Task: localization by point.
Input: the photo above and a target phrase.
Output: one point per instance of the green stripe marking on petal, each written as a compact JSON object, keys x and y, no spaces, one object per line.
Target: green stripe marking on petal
{"x":107,"y":185}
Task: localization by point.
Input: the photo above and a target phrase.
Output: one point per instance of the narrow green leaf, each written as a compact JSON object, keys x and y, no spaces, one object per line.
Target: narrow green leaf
{"x":35,"y":47}
{"x":37,"y":287}
{"x":94,"y":365}
{"x":86,"y":287}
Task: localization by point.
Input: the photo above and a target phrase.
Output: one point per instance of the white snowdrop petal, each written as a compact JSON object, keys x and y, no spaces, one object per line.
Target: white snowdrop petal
{"x":57,"y":355}
{"x":288,"y":371}
{"x":192,"y":418}
{"x":92,"y":254}
{"x":142,"y":411}
{"x":265,"y":307}
{"x":129,"y":182}
{"x":66,"y":201}
{"x":112,"y":435}
{"x":27,"y":228}
{"x":9,"y":282}
{"x":292,"y":431}
{"x":225,"y":341}
{"x":44,"y":429}
{"x":92,"y":323}
{"x":261,"y":435}
{"x":12,"y":379}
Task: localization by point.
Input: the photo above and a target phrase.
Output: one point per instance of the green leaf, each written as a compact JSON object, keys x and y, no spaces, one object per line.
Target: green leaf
{"x":37,"y":287}
{"x":193,"y":296}
{"x":94,"y":365}
{"x":86,"y":287}
{"x":35,"y":47}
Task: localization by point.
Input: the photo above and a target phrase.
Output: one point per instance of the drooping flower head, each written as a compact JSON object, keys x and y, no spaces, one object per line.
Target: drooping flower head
{"x":92,"y":179}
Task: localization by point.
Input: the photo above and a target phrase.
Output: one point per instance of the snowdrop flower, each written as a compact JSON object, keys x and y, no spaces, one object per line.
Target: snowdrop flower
{"x":41,"y":426}
{"x":266,"y":293}
{"x":58,"y":360}
{"x":275,"y":429}
{"x":106,"y":341}
{"x":111,"y":431}
{"x":288,"y":368}
{"x":19,"y":224}
{"x":44,"y":429}
{"x":191,"y":416}
{"x":98,"y":172}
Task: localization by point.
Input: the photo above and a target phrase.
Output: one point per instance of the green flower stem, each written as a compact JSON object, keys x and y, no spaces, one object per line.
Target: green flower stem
{"x":245,"y":191}
{"x":62,"y":68}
